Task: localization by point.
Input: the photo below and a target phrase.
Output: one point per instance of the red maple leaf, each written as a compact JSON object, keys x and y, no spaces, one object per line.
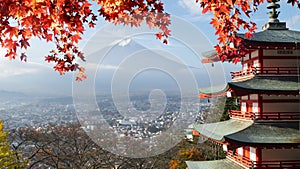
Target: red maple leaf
{"x":75,"y":38}
{"x":159,"y":35}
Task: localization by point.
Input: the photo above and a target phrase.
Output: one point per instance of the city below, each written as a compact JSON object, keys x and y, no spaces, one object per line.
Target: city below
{"x":18,"y":111}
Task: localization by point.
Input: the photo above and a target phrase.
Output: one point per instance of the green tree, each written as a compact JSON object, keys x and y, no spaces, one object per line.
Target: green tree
{"x":9,"y":159}
{"x":230,"y":104}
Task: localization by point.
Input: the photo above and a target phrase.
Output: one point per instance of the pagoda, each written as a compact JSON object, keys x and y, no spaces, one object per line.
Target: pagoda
{"x":264,"y":133}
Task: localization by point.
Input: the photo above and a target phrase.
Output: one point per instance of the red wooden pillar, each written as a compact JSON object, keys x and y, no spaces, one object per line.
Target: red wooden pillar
{"x":260,"y":106}
{"x":258,"y":156}
{"x":247,"y":152}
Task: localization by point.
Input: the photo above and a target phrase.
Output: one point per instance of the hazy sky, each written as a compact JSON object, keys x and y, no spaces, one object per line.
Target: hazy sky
{"x":37,"y":77}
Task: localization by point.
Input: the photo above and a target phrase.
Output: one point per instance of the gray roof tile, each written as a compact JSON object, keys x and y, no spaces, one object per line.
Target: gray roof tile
{"x":268,"y":133}
{"x":216,"y":164}
{"x":275,"y":36}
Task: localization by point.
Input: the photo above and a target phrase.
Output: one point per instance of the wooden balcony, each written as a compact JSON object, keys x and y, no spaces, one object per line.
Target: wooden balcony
{"x":247,"y":163}
{"x":239,"y":159}
{"x":276,"y":71}
{"x":277,"y":164}
{"x":280,"y":116}
{"x":242,"y":75}
{"x":284,"y":116}
{"x":241,"y":115}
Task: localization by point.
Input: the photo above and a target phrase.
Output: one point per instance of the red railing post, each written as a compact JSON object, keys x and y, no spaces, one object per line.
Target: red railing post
{"x":280,"y":164}
{"x":266,"y":70}
{"x":264,"y":115}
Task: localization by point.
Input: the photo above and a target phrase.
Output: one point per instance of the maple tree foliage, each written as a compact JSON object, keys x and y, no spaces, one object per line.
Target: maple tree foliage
{"x":183,"y":155}
{"x":63,"y":23}
{"x":227,"y":20}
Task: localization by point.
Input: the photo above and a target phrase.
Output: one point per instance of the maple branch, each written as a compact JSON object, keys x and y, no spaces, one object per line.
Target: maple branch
{"x":62,"y":23}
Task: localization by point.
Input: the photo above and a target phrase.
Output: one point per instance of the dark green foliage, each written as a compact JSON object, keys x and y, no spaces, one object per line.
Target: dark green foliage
{"x":230,"y":104}
{"x":211,"y":151}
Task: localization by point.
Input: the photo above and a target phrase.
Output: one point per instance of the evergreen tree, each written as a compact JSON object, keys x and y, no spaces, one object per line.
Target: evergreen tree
{"x":230,"y":104}
{"x":9,"y":159}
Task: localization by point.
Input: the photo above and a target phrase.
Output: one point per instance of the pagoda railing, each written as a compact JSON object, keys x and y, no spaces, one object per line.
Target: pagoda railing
{"x":285,"y":116}
{"x":241,"y":115}
{"x":276,"y":70}
{"x":277,"y":164}
{"x":289,"y":116}
{"x":246,"y":162}
{"x":239,"y":159}
{"x":242,"y":73}
{"x":265,"y":71}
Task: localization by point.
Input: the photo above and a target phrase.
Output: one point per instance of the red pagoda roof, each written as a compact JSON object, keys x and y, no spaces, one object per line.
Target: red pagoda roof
{"x":224,"y":164}
{"x":218,"y":130}
{"x":248,"y":132}
{"x":210,"y":56}
{"x":267,"y":133}
{"x":258,"y":84}
{"x":267,"y":85}
{"x":274,"y":36}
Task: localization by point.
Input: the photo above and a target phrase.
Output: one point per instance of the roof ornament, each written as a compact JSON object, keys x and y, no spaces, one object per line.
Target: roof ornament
{"x":273,"y":14}
{"x":273,"y":23}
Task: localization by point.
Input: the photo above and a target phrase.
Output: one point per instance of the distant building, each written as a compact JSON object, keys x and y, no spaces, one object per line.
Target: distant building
{"x":127,"y":123}
{"x":264,"y":133}
{"x":190,"y":133}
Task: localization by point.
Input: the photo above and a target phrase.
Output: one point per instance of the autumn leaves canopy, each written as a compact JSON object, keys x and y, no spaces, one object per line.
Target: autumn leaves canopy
{"x":63,"y":23}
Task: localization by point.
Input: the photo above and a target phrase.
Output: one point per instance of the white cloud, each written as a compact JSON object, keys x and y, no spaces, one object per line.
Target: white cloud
{"x":93,"y":67}
{"x":191,"y":5}
{"x":194,"y":11}
{"x":2,"y":52}
{"x":109,"y":67}
{"x":124,"y":42}
{"x":16,"y":67}
{"x":120,"y":42}
{"x":293,"y":22}
{"x":8,"y":72}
